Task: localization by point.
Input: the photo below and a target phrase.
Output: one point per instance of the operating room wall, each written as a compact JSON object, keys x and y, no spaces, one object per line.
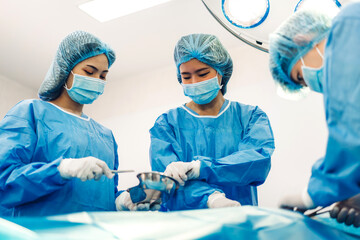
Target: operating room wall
{"x":131,"y":105}
{"x":11,"y":93}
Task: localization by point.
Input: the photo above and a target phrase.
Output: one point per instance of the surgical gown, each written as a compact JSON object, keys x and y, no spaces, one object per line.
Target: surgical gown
{"x":35,"y":136}
{"x":337,"y":176}
{"x":234,"y":149}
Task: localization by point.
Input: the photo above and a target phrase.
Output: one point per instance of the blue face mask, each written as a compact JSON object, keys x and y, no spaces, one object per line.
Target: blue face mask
{"x":202,"y":92}
{"x":313,"y":77}
{"x":85,"y":90}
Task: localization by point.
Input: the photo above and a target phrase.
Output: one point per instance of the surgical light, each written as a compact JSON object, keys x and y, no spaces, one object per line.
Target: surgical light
{"x":106,"y":10}
{"x":245,"y":13}
{"x":331,"y":7}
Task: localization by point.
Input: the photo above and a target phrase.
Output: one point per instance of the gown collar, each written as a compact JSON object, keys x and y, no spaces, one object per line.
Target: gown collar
{"x":83,"y":116}
{"x":223,"y":108}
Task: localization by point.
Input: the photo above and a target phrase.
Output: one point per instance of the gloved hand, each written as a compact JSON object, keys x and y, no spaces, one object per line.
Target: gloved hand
{"x":347,"y":211}
{"x":297,"y":202}
{"x":84,"y":168}
{"x":123,"y":203}
{"x":183,"y":171}
{"x":218,"y":200}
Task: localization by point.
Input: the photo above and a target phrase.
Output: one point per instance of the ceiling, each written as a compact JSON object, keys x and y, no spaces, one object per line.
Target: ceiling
{"x":143,"y":41}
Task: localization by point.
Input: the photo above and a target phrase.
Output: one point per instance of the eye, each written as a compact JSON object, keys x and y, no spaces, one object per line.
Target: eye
{"x":103,"y":77}
{"x":300,"y":78}
{"x":88,"y":72}
{"x":186,"y":77}
{"x":203,"y":74}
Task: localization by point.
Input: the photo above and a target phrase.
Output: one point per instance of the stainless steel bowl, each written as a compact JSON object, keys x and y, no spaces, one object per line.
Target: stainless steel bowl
{"x":157,"y":181}
{"x":152,"y":187}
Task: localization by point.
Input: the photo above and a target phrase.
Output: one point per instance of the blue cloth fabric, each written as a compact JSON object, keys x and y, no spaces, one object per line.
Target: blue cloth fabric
{"x":35,"y":136}
{"x":336,"y":176}
{"x":234,"y":148}
{"x":73,"y":49}
{"x":207,"y":49}
{"x":292,"y":40}
{"x":246,"y":222}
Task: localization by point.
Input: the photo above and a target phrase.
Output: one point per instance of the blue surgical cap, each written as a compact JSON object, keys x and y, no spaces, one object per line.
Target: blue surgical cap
{"x":207,"y":49}
{"x":73,"y":49}
{"x":294,"y":39}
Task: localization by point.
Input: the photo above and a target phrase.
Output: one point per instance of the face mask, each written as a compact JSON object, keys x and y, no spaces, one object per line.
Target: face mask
{"x":202,"y":92}
{"x":85,"y":89}
{"x":313,"y":77}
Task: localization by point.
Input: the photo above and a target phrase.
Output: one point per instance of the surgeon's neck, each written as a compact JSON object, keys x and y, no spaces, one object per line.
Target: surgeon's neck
{"x":65,"y":102}
{"x":210,"y":109}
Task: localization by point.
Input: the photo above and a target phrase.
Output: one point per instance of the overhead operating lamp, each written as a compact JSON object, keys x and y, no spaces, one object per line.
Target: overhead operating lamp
{"x":252,"y":21}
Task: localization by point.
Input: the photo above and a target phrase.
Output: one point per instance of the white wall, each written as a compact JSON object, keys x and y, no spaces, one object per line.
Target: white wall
{"x":130,"y":106}
{"x":11,"y":93}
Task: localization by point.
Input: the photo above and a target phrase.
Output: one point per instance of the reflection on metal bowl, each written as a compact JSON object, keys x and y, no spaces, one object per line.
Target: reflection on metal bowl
{"x":157,"y":181}
{"x":152,"y":187}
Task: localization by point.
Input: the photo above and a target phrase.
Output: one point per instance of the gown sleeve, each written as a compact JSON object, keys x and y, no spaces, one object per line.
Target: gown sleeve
{"x":249,"y":165}
{"x":116,"y":166}
{"x":164,"y":149}
{"x":22,"y":181}
{"x":336,"y":176}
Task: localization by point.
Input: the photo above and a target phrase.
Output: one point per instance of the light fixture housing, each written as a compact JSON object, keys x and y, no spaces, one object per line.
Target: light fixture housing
{"x":330,"y":7}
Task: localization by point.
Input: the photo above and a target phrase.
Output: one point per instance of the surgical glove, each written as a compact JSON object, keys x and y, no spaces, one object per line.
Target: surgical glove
{"x":84,"y":168}
{"x":297,"y":202}
{"x":183,"y":171}
{"x":123,"y":203}
{"x":218,"y":200}
{"x":347,"y":211}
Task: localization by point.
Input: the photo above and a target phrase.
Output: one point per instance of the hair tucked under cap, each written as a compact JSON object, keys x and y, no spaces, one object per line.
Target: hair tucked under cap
{"x":294,"y":39}
{"x":73,"y":49}
{"x":207,"y":49}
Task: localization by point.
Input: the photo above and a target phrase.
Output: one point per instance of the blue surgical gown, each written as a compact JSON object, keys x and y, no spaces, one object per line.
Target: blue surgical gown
{"x":234,"y":149}
{"x":35,"y":136}
{"x":337,"y":175}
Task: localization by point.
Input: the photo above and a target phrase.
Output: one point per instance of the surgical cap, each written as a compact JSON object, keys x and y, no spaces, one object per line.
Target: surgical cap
{"x":294,"y":39}
{"x":73,"y":49}
{"x":207,"y":49}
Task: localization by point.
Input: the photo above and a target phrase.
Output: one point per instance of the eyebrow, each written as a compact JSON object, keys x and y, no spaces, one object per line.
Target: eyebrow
{"x":93,"y":67}
{"x":199,"y":70}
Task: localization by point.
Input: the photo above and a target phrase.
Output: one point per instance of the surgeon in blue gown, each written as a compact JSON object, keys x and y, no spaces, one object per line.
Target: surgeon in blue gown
{"x":312,"y":50}
{"x":54,"y":159}
{"x":218,"y":150}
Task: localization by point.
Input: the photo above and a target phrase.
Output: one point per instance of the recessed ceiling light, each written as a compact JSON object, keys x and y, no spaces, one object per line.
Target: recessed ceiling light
{"x":105,"y":10}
